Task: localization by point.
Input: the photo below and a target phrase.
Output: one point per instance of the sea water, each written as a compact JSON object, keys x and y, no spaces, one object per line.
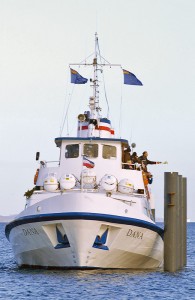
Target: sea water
{"x":17,"y":283}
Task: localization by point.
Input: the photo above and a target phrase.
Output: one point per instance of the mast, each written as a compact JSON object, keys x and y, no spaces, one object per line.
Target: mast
{"x":94,"y":101}
{"x":93,"y":116}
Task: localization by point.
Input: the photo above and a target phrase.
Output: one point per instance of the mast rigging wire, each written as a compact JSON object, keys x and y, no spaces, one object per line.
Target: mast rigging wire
{"x":120,"y":114}
{"x":103,"y":80}
{"x":66,"y":114}
{"x":62,"y":120}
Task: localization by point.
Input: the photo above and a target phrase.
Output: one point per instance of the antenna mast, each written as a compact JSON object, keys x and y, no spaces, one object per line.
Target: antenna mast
{"x":94,"y":101}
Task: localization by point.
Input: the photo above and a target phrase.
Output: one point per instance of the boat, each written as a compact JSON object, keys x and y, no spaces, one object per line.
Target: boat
{"x":92,"y":209}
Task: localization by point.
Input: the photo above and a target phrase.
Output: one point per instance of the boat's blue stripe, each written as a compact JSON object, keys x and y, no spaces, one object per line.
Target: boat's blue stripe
{"x":82,"y":216}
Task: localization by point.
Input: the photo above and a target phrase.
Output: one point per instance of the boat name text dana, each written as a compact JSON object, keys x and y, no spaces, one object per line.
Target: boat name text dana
{"x":29,"y":231}
{"x":135,"y":234}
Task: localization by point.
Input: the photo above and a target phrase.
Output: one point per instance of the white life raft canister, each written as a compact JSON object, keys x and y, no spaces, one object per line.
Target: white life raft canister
{"x":67,"y":182}
{"x":109,"y":182}
{"x":125,"y":186}
{"x":50,"y":183}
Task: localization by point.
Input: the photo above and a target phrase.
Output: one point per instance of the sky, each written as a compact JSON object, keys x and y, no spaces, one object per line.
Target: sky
{"x":154,"y":39}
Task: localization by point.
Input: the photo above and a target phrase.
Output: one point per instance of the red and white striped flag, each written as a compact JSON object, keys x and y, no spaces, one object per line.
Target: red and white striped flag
{"x":88,"y":163}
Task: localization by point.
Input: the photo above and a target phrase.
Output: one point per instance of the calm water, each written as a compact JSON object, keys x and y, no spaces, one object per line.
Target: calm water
{"x":20,"y":284}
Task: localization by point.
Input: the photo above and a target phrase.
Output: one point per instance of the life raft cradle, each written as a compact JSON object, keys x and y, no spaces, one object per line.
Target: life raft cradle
{"x":144,"y":174}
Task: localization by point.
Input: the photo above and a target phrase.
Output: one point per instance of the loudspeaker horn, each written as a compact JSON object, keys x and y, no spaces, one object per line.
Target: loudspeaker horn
{"x":81,"y":118}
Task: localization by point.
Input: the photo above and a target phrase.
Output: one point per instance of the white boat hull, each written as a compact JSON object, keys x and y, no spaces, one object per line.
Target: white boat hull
{"x":131,"y":242}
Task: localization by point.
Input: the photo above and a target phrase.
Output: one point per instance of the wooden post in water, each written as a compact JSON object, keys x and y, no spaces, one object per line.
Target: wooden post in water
{"x":170,"y":222}
{"x":175,"y":222}
{"x":180,"y":221}
{"x":184,"y":222}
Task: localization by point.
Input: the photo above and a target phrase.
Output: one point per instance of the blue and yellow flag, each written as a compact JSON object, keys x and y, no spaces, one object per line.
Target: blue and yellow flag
{"x":130,"y":78}
{"x":77,"y":78}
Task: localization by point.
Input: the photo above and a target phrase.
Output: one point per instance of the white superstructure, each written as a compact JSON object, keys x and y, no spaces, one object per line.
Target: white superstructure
{"x":89,"y":211}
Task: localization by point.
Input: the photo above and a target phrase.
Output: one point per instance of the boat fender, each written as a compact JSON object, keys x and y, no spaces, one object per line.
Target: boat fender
{"x":145,"y":178}
{"x":36,"y":176}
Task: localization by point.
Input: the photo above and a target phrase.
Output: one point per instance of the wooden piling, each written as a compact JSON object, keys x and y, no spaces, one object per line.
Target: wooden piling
{"x":184,"y":222}
{"x":175,"y":218}
{"x":179,"y":222}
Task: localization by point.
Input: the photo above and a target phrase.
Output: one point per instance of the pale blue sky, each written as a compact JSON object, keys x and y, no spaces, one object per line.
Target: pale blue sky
{"x":155,"y":39}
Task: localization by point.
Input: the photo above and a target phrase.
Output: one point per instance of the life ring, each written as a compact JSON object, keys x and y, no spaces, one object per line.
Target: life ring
{"x":36,"y":176}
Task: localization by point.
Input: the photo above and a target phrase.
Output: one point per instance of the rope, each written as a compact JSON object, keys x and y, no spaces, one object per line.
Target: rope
{"x":66,"y":114}
{"x":120,"y":119}
{"x":63,"y":112}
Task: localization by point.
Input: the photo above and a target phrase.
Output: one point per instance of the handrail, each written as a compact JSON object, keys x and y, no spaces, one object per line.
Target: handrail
{"x":44,"y":162}
{"x":135,"y":166}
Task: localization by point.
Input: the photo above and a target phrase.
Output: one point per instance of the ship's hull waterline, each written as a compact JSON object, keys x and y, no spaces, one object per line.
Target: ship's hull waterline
{"x":68,"y":239}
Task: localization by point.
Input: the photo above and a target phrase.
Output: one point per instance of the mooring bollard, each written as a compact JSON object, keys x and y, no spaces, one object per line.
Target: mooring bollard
{"x":175,"y":219}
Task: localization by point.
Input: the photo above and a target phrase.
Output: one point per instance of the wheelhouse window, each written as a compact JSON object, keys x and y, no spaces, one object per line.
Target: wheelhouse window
{"x":90,"y":150}
{"x":109,"y":152}
{"x":72,"y":151}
